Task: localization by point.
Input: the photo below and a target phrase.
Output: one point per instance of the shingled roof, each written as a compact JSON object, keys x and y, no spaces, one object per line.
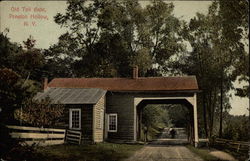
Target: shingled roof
{"x":129,"y":84}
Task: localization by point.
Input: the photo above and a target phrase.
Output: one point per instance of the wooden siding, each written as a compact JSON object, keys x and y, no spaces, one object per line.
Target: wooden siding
{"x":98,"y":130}
{"x":86,"y":121}
{"x":123,"y":105}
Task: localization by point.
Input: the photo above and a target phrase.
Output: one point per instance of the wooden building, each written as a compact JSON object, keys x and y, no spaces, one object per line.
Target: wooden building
{"x":110,"y":108}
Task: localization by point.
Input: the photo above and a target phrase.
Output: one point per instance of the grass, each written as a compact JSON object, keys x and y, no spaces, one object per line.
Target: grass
{"x":203,"y":153}
{"x":97,"y":152}
{"x":240,"y":155}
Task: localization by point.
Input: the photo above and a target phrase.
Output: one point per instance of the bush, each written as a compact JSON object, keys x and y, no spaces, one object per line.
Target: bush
{"x":237,"y":128}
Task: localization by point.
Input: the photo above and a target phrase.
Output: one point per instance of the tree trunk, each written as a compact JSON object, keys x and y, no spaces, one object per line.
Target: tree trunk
{"x":213,"y":106}
{"x":221,"y":104}
{"x":204,"y":114}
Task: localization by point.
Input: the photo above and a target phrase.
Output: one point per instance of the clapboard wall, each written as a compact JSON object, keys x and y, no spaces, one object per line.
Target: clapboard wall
{"x":98,"y":122}
{"x":86,"y":121}
{"x":123,"y":106}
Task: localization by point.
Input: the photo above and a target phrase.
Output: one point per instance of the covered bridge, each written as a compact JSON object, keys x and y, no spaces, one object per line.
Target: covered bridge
{"x":110,"y":108}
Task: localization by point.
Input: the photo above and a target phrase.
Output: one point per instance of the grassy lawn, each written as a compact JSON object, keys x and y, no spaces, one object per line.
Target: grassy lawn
{"x":101,"y":151}
{"x":203,"y":153}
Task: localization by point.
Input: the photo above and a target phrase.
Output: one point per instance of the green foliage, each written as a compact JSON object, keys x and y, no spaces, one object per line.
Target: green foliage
{"x":29,"y":43}
{"x":236,"y":128}
{"x":216,"y":56}
{"x":235,"y":23}
{"x":40,"y":113}
{"x":107,"y":38}
{"x":12,"y":93}
{"x":153,"y":115}
{"x":8,"y":51}
{"x":19,"y":73}
{"x":154,"y":119}
{"x":179,"y":115}
{"x":27,"y":63}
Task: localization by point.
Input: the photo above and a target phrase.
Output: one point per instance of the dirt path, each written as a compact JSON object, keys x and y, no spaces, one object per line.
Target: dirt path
{"x":164,"y":153}
{"x":166,"y":149}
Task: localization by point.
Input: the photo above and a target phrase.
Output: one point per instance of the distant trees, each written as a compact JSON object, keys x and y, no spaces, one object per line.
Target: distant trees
{"x":155,"y":115}
{"x":179,"y":115}
{"x":154,"y":119}
{"x":236,"y":128}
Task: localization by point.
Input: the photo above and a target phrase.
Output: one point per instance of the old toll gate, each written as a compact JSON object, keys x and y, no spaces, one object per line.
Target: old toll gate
{"x":110,"y":108}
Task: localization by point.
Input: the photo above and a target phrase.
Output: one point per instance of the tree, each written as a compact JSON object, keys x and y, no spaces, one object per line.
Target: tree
{"x":30,"y":62}
{"x":8,"y":51}
{"x":235,"y":21}
{"x":106,"y":38}
{"x":40,"y":113}
{"x":212,"y":61}
{"x":17,"y":67}
{"x":27,"y":61}
{"x":12,"y":93}
{"x":179,"y":115}
{"x":236,"y":128}
{"x":155,"y":117}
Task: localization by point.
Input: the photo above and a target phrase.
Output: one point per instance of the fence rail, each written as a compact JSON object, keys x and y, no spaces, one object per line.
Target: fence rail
{"x":73,"y":137}
{"x":238,"y":145}
{"x":39,"y":136}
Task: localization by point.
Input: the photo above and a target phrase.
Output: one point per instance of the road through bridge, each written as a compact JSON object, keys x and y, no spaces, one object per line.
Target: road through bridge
{"x":166,"y":149}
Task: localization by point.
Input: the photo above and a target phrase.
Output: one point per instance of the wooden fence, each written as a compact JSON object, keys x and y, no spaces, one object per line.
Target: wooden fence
{"x":73,"y":137}
{"x":39,"y":136}
{"x":237,"y":145}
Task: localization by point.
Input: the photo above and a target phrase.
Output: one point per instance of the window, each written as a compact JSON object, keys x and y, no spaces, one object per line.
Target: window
{"x":75,"y":119}
{"x":112,"y":122}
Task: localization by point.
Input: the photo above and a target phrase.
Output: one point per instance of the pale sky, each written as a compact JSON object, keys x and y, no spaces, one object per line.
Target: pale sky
{"x":46,"y":32}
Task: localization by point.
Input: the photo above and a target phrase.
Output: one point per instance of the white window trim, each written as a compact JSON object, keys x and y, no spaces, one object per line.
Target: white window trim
{"x":113,"y":114}
{"x":70,"y":118}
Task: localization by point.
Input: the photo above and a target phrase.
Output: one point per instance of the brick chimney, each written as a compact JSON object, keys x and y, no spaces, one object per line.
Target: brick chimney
{"x":135,"y":72}
{"x":45,"y":84}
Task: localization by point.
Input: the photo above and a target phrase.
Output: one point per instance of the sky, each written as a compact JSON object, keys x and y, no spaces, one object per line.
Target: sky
{"x":24,"y":18}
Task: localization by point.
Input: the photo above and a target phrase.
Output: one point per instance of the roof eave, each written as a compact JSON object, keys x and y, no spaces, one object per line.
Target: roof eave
{"x":158,"y":91}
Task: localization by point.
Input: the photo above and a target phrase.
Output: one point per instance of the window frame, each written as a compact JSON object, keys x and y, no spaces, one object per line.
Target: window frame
{"x":116,"y":123}
{"x":70,"y":118}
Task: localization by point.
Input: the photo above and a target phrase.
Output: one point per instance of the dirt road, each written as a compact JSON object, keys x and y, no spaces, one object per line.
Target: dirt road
{"x":165,"y":149}
{"x":164,"y":153}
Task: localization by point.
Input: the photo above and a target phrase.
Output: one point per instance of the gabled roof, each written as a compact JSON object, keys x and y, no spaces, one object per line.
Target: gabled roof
{"x":128,"y":84}
{"x":72,"y":95}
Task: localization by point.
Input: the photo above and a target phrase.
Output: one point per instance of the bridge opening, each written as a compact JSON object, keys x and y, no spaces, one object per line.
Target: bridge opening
{"x":159,"y":118}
